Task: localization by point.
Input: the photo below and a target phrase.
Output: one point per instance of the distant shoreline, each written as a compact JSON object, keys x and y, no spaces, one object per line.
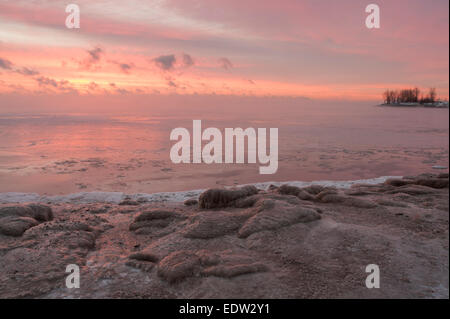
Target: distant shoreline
{"x":437,"y":105}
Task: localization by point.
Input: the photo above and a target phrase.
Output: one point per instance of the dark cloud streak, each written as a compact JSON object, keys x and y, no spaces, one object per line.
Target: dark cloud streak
{"x":225,"y":63}
{"x":5,"y":64}
{"x":188,"y":60}
{"x":27,"y":72}
{"x":165,"y":62}
{"x":124,"y":67}
{"x":94,"y":56}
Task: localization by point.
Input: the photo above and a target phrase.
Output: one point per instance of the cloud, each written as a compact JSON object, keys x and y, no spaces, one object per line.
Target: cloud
{"x":93,"y":86}
{"x":225,"y":63}
{"x":165,"y":62}
{"x":45,"y":81}
{"x":124,"y":67}
{"x":118,"y":89}
{"x":28,"y":72}
{"x":5,"y":64}
{"x":172,"y":84}
{"x":188,"y":60}
{"x":8,"y":65}
{"x":62,"y":86}
{"x":94,"y":56}
{"x":122,"y":91}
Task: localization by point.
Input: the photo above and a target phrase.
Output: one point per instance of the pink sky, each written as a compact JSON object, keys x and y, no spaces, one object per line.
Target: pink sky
{"x":315,"y":49}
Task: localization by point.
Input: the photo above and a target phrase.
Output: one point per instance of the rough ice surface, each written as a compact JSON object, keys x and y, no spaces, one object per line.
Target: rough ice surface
{"x":117,"y":197}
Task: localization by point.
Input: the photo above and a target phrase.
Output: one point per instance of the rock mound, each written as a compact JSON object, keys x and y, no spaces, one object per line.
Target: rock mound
{"x":228,"y":271}
{"x":215,"y":224}
{"x":274,"y":214}
{"x":15,"y":220}
{"x":429,"y":180}
{"x":147,"y":221}
{"x":142,"y":260}
{"x":220,"y":198}
{"x":295,"y":191}
{"x":180,"y":265}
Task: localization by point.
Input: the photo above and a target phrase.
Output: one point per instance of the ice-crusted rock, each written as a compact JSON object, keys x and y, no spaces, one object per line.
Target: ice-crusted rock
{"x":433,"y":182}
{"x":443,"y":175}
{"x":398,"y":182}
{"x":142,"y":260}
{"x":182,"y":264}
{"x":15,"y":220}
{"x":16,"y":226}
{"x":288,"y":190}
{"x":412,"y":190}
{"x":348,"y":201}
{"x":190,"y":202}
{"x":219,"y":198}
{"x":149,"y":220}
{"x":274,"y":214}
{"x":228,"y":271}
{"x":39,"y":262}
{"x":295,"y":191}
{"x":215,"y":224}
{"x":178,"y":266}
{"x":430,"y":180}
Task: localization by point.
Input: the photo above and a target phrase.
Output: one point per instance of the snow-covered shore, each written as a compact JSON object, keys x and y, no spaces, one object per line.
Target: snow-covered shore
{"x":117,"y":197}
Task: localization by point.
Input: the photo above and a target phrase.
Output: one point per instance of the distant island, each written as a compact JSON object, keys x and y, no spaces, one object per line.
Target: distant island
{"x":413,"y":97}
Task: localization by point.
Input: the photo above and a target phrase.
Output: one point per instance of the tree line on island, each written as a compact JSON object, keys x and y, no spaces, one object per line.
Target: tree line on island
{"x":409,"y":96}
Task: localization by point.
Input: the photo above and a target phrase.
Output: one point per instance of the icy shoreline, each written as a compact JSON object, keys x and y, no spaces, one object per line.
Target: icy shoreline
{"x":284,"y":242}
{"x":117,"y":197}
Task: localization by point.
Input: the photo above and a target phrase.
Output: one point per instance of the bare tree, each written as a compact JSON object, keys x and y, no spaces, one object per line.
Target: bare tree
{"x":432,"y":95}
{"x":416,"y":94}
{"x":387,"y":97}
{"x":409,"y":96}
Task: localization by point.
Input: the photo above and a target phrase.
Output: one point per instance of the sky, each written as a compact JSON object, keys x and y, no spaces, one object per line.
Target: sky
{"x":286,"y":48}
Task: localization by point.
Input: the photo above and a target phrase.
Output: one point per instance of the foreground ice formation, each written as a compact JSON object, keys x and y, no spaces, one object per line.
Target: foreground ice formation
{"x":283,"y":241}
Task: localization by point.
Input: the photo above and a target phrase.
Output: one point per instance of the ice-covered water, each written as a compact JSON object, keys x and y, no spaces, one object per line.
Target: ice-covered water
{"x":128,"y":152}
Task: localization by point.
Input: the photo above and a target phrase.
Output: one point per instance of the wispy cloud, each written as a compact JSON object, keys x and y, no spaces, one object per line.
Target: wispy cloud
{"x":124,"y":67}
{"x":225,"y":63}
{"x":5,"y":64}
{"x":92,"y":86}
{"x":95,"y":54}
{"x":45,"y":81}
{"x":93,"y":58}
{"x":61,"y":86}
{"x":172,"y":84}
{"x":188,"y":60}
{"x":27,"y":72}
